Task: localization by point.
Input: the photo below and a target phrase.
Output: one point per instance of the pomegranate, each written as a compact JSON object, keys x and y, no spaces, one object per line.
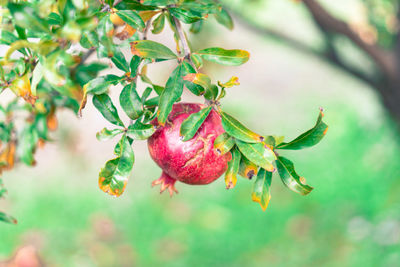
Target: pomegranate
{"x":194,"y":162}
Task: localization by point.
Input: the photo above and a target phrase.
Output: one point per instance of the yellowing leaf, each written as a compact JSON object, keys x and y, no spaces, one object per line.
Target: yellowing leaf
{"x":261,"y":188}
{"x":233,"y":168}
{"x":247,"y":168}
{"x":232,"y":82}
{"x":224,"y":143}
{"x":21,"y":86}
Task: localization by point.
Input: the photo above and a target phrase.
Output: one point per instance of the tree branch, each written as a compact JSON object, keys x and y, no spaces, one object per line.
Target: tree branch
{"x":328,"y":23}
{"x":330,"y":56}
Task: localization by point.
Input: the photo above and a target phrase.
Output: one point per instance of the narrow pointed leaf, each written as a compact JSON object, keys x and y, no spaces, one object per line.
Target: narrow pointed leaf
{"x":104,"y":104}
{"x":247,"y":168}
{"x":184,"y":15}
{"x":106,"y":134}
{"x":172,"y":92}
{"x":158,"y":24}
{"x":114,"y":176}
{"x":259,"y":154}
{"x":224,"y":143}
{"x":192,"y":124}
{"x":140,"y":131}
{"x":131,"y":102}
{"x":224,"y":19}
{"x":152,"y":50}
{"x":232,"y":82}
{"x":101,"y":84}
{"x":119,"y":60}
{"x":290,"y":178}
{"x":233,"y":169}
{"x":222,"y":56}
{"x":7,"y":218}
{"x":309,"y":138}
{"x":261,"y":188}
{"x":236,"y":129}
{"x":134,"y":65}
{"x":132,"y":18}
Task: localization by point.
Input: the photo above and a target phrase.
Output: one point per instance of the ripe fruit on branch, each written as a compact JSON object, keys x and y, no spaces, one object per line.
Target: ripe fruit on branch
{"x":194,"y":161}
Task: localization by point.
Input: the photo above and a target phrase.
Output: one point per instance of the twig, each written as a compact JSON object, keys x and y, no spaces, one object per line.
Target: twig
{"x":146,"y":29}
{"x":185,"y":45}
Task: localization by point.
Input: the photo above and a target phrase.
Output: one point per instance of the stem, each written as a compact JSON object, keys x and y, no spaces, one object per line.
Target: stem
{"x":185,"y":44}
{"x":146,"y":29}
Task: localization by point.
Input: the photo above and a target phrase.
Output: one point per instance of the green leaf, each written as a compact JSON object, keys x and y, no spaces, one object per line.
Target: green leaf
{"x":104,"y":104}
{"x":172,"y":92}
{"x":131,"y":102}
{"x":89,"y":40}
{"x":196,"y":27}
{"x":184,"y":15}
{"x":212,"y":92}
{"x":309,"y":138}
{"x":192,"y":124}
{"x":159,"y":2}
{"x":134,"y":65}
{"x":101,"y":84}
{"x":7,"y":37}
{"x":261,"y":188}
{"x":146,"y":94}
{"x":27,"y":143}
{"x":7,"y":218}
{"x":197,"y":60}
{"x":221,"y":56}
{"x":132,"y":18}
{"x":224,"y":143}
{"x":194,"y":88}
{"x":236,"y":129}
{"x":224,"y":19}
{"x":114,"y":176}
{"x":233,"y":169}
{"x":152,"y":102}
{"x":152,"y":50}
{"x":140,"y":131}
{"x":54,"y":19}
{"x":106,"y":134}
{"x":104,"y":29}
{"x":290,"y":178}
{"x":158,"y":24}
{"x":119,"y":60}
{"x":134,"y":5}
{"x":259,"y":154}
{"x":26,"y":17}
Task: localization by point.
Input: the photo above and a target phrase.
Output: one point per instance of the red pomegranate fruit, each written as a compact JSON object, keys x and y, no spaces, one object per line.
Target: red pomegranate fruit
{"x":194,"y":162}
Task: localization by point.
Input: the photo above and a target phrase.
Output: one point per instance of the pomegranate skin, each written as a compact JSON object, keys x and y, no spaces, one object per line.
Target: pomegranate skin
{"x":194,"y":162}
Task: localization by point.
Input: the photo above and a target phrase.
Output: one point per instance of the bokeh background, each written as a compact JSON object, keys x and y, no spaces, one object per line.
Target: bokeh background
{"x":352,"y":218}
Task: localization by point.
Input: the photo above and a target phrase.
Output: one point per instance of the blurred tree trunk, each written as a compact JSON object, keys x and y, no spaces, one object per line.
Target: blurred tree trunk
{"x":385,"y":80}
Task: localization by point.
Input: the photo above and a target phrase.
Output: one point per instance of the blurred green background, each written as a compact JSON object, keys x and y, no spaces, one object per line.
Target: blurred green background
{"x":352,"y":218}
